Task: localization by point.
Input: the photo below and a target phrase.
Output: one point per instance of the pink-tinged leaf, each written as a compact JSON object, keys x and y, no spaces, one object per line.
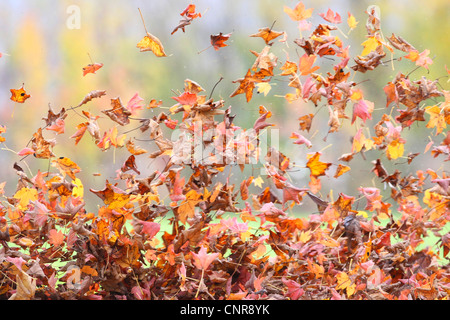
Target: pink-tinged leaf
{"x":295,"y":291}
{"x":335,"y":295}
{"x":134,"y":104}
{"x":150,"y":228}
{"x":424,"y":60}
{"x":300,"y":139}
{"x":177,"y":191}
{"x":25,"y":152}
{"x":202,"y":260}
{"x":140,"y":293}
{"x":362,"y":109}
{"x":52,"y":282}
{"x":171,"y":123}
{"x":186,"y":98}
{"x":58,"y":126}
{"x":234,"y":226}
{"x":304,"y":25}
{"x":330,"y":16}
{"x":367,"y":266}
{"x":18,"y":262}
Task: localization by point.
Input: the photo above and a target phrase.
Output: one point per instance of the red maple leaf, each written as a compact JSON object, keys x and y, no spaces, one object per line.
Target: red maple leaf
{"x":186,"y":98}
{"x":330,"y":16}
{"x":218,"y":40}
{"x":362,"y":109}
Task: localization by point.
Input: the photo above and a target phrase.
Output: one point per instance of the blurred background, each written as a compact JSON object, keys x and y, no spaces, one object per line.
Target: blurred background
{"x":43,"y":52}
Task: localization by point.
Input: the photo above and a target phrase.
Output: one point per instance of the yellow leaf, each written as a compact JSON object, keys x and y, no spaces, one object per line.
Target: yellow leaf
{"x":437,"y":119}
{"x":25,"y":195}
{"x":151,"y":43}
{"x":305,"y":236}
{"x":351,"y":290}
{"x":264,"y":87}
{"x":343,"y":281}
{"x":351,"y":21}
{"x":258,"y":182}
{"x":395,"y":149}
{"x":78,"y":190}
{"x":370,"y":45}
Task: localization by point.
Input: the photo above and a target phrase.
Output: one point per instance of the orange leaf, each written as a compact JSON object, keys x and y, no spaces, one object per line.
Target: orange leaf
{"x":267,"y":34}
{"x":55,"y":237}
{"x":341,"y":169}
{"x":317,"y":167}
{"x":299,"y":12}
{"x":305,"y":64}
{"x":187,"y":208}
{"x":19,"y":95}
{"x":92,"y":68}
{"x":89,"y":270}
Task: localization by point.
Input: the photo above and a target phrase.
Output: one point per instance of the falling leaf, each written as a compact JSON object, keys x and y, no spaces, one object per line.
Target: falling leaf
{"x":316,"y":166}
{"x":421,"y":59}
{"x":25,"y":195}
{"x":67,"y":167}
{"x":437,"y":119}
{"x":306,"y":64}
{"x":19,"y":95}
{"x":362,"y":109}
{"x":218,"y":40}
{"x":340,"y":170}
{"x":134,"y":104}
{"x":133,"y":149}
{"x":187,"y":98}
{"x":153,"y":44}
{"x":351,"y":21}
{"x":92,"y":68}
{"x":299,"y":12}
{"x":300,"y":139}
{"x":118,"y":113}
{"x":267,"y":34}
{"x":258,"y":182}
{"x":264,"y":87}
{"x":395,"y":149}
{"x":332,"y":17}
{"x":371,"y":44}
